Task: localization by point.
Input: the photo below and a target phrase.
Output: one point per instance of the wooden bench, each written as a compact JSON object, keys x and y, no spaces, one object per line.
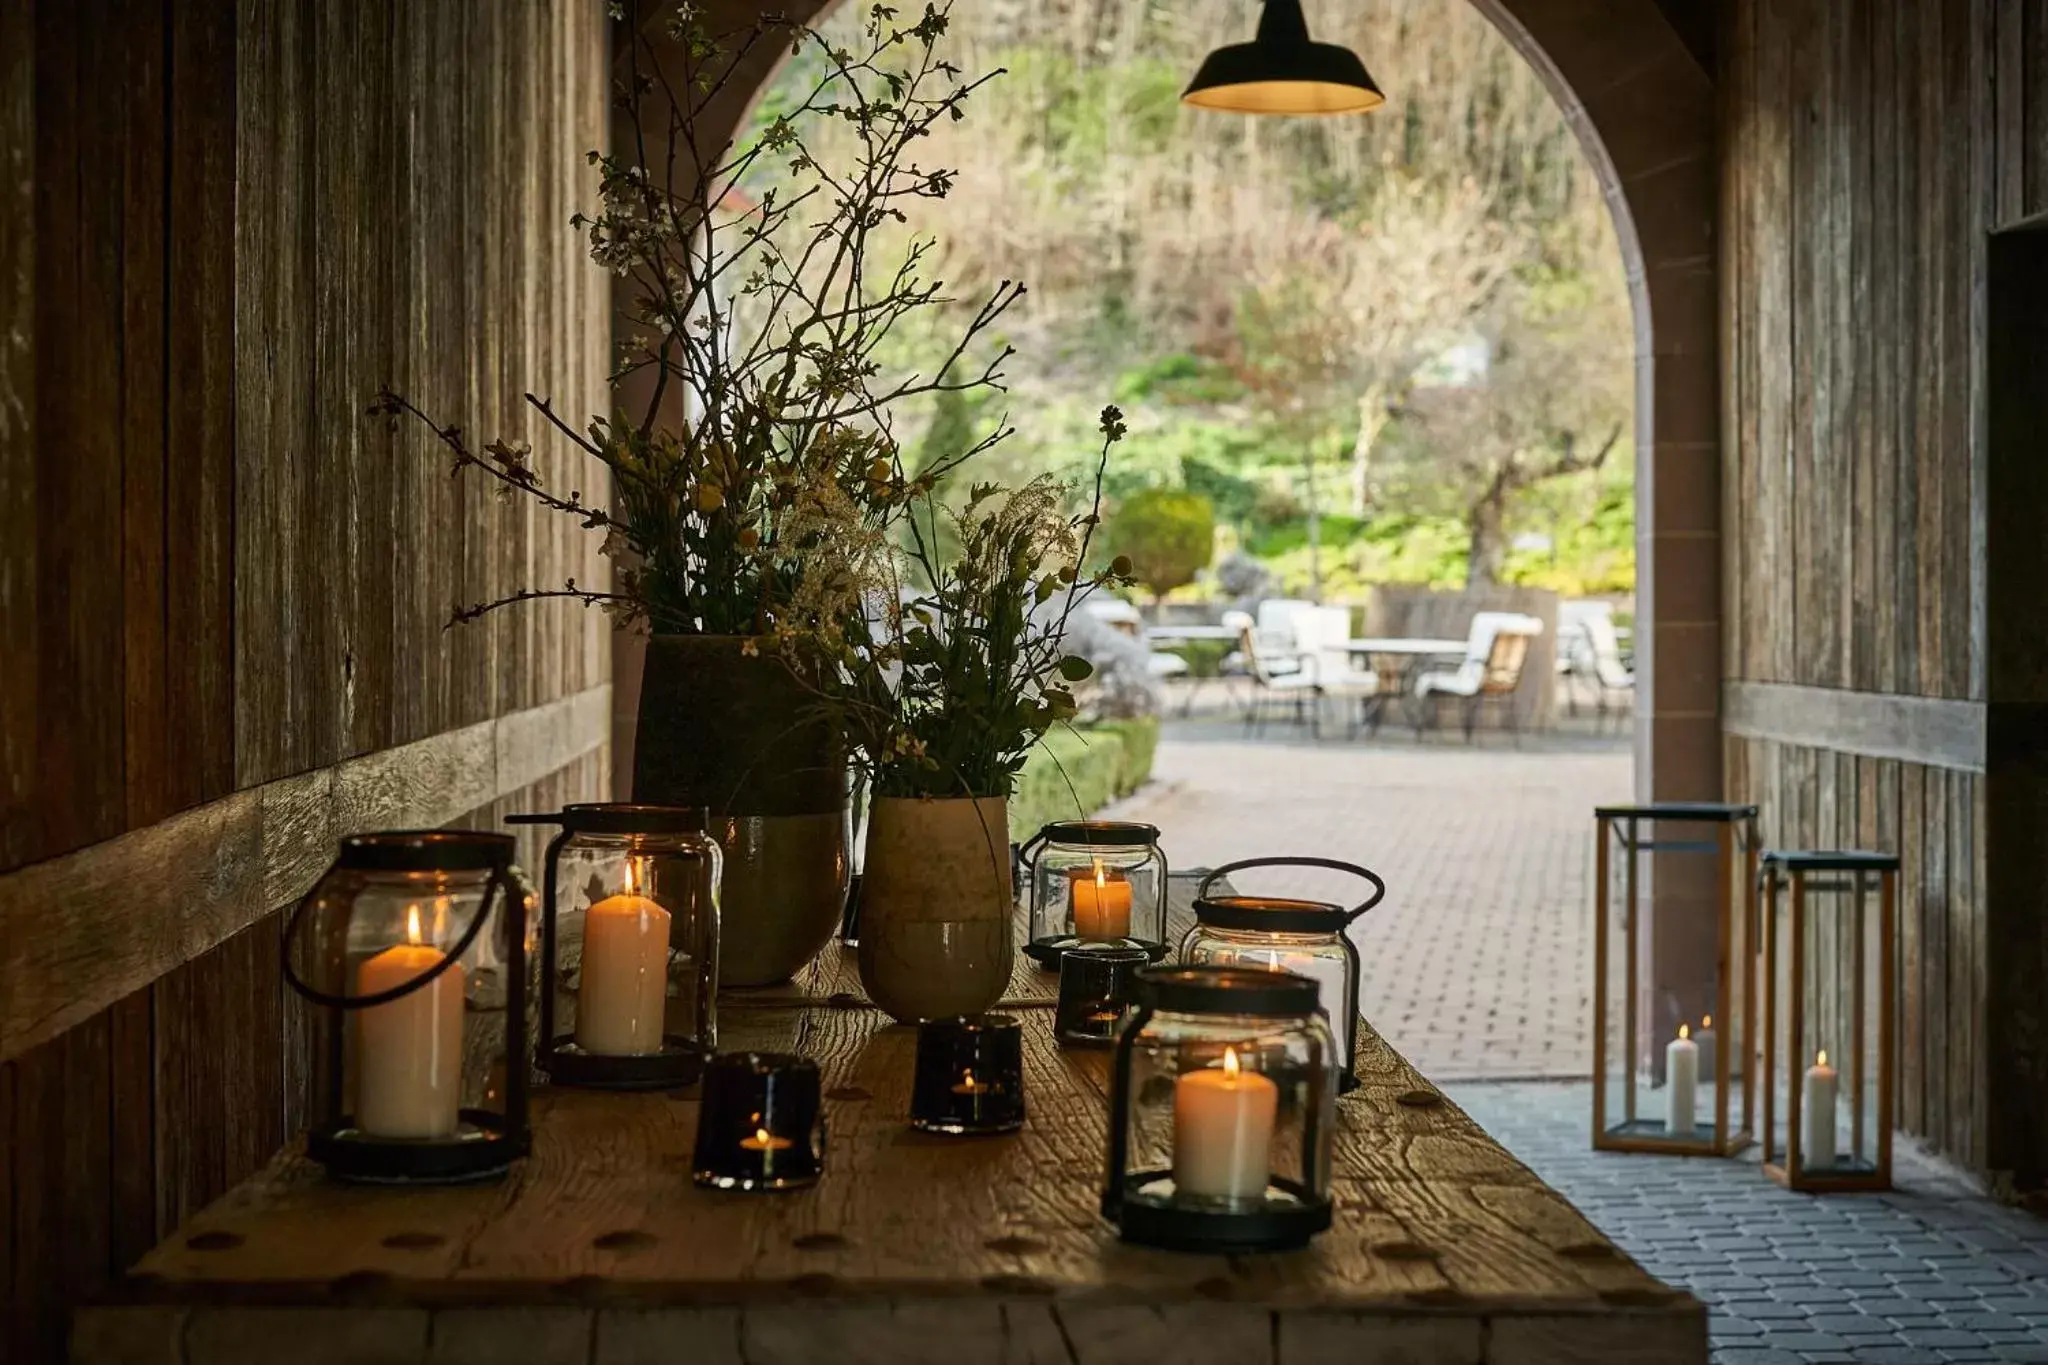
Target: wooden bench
{"x":600,"y":1251}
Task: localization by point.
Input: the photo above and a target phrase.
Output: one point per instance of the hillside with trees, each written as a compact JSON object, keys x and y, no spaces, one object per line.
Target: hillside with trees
{"x":1395,"y":347}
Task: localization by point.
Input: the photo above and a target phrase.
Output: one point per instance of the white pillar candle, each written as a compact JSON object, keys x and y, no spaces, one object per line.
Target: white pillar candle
{"x":1681,"y":1084}
{"x":1817,"y":1114}
{"x":1709,"y":1042}
{"x":409,"y":1055}
{"x":1223,"y":1131}
{"x":622,"y":1000}
{"x":1102,"y":905}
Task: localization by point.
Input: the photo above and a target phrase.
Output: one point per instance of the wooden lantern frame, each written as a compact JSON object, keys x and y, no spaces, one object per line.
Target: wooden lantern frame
{"x":1735,"y":847}
{"x":1791,"y":869}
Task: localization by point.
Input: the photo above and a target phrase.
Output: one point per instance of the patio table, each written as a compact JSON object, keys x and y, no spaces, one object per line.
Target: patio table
{"x":1395,"y":658}
{"x":600,"y":1251}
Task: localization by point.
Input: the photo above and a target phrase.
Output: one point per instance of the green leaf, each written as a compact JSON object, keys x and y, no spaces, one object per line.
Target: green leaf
{"x":1074,"y":668}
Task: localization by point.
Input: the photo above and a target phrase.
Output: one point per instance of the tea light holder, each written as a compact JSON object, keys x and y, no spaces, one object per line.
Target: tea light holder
{"x":412,"y":948}
{"x":1829,"y":1026}
{"x":1095,"y":882}
{"x":758,"y":1128}
{"x":1222,"y":1101}
{"x":970,"y":1076}
{"x":1095,"y":988}
{"x":628,"y":946}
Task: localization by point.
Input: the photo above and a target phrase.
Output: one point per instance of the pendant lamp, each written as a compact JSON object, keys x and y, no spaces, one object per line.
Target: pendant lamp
{"x":1282,"y":71}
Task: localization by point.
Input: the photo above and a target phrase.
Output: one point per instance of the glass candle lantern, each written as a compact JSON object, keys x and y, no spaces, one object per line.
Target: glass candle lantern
{"x":1674,"y":908}
{"x":413,"y":949}
{"x":1276,"y":933}
{"x":1826,"y":982}
{"x":969,"y":1079}
{"x":1097,"y":882}
{"x":1222,"y":1099}
{"x":758,"y":1128}
{"x":628,"y":946}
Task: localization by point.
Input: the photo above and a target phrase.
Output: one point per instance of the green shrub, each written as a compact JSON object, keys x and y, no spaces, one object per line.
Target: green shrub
{"x":1075,"y":773}
{"x":1169,"y":535}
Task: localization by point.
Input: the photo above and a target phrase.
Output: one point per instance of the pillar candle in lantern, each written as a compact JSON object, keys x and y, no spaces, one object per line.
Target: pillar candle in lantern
{"x":1102,"y":904}
{"x":1817,"y":1105}
{"x":1681,"y":1084}
{"x":1223,"y":1131}
{"x":622,"y":1002}
{"x":410,"y":1078}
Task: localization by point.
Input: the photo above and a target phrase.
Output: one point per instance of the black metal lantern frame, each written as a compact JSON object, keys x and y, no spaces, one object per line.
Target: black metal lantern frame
{"x":483,"y":1142}
{"x":661,"y":837}
{"x":1268,"y":1031}
{"x":1125,"y":854}
{"x":1277,"y":933}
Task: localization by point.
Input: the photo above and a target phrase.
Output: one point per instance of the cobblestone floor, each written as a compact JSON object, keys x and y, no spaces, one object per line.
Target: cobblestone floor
{"x":1929,"y":1273}
{"x":1477,"y":966}
{"x":1478,"y":963}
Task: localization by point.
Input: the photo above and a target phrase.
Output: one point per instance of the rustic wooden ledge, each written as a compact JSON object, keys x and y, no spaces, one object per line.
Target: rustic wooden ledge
{"x":600,"y":1251}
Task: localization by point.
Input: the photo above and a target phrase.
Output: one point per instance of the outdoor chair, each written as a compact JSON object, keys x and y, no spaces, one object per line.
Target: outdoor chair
{"x":1337,"y":672}
{"x":1269,"y":683}
{"x":1495,"y":652}
{"x":1589,"y":655}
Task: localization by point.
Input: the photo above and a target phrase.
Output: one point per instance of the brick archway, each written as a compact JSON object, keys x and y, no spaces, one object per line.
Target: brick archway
{"x":1642,"y":104}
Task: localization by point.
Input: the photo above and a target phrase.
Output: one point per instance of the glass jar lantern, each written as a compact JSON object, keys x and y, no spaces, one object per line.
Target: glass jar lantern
{"x":1096,"y":882}
{"x":1222,"y":1100}
{"x":1673,"y":951}
{"x":1277,"y":933}
{"x":1828,"y":1045}
{"x":413,"y":947}
{"x":628,"y":946}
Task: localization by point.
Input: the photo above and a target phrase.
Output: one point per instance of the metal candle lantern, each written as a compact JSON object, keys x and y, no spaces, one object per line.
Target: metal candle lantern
{"x":1097,"y":882}
{"x":1221,"y":1105}
{"x":1673,"y":1008}
{"x":1828,"y":1018}
{"x":759,"y":1127}
{"x":969,"y":1078}
{"x":413,"y":945}
{"x":628,"y":946}
{"x":1279,"y":934}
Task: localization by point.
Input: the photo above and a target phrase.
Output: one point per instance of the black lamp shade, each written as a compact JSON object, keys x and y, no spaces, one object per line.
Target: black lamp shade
{"x":1283,"y":72}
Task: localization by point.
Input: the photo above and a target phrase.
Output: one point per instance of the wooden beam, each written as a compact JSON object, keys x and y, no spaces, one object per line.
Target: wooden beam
{"x":89,"y":928}
{"x":1938,"y":732}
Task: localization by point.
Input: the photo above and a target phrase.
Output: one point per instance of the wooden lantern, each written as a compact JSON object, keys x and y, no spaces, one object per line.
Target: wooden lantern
{"x":1673,"y":1010}
{"x":1826,"y":982}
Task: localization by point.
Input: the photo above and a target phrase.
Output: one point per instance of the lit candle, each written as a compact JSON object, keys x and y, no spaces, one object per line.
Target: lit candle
{"x":1817,"y":1143}
{"x":1223,"y":1131}
{"x":1102,"y":905}
{"x":1708,"y":1043}
{"x":409,"y":1081}
{"x":1681,"y":1083}
{"x":765,"y":1141}
{"x":622,"y":1002}
{"x":969,"y":1086}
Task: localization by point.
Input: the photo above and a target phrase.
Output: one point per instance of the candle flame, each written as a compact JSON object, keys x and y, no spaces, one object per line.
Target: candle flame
{"x":761,"y":1136}
{"x":632,"y":876}
{"x":1706,"y":1021}
{"x":967,"y":1077}
{"x":412,"y":924}
{"x":1230,"y":1062}
{"x":1684,"y":1032}
{"x":1821,"y":1058}
{"x":1100,"y":879}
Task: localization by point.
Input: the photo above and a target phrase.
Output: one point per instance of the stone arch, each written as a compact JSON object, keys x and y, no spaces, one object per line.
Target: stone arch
{"x":1642,"y":104}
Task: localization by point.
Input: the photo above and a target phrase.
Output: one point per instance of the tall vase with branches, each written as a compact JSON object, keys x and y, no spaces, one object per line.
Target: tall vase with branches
{"x":752,"y":423}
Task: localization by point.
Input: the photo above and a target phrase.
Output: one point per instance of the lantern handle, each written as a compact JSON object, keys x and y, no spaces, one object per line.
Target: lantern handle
{"x":1379,"y":888}
{"x":499,"y":876}
{"x":1026,"y":851}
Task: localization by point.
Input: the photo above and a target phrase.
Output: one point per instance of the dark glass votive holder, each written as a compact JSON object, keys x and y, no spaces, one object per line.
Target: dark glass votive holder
{"x":1095,"y":986}
{"x":970,"y":1076}
{"x":758,"y":1128}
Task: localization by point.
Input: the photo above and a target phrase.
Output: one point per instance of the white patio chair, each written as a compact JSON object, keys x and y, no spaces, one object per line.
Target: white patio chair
{"x":1495,"y":651}
{"x":1269,"y":684}
{"x":1590,"y":656}
{"x":1336,"y":668}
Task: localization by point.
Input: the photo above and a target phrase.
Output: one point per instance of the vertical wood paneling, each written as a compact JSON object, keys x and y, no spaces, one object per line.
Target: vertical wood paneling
{"x":231,"y":224}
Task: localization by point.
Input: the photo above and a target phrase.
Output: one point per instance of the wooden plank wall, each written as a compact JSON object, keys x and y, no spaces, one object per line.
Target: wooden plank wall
{"x":1869,"y":152}
{"x":227,"y":225}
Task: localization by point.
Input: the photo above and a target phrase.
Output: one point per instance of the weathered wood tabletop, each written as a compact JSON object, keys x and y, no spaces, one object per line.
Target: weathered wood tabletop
{"x":599,"y":1250}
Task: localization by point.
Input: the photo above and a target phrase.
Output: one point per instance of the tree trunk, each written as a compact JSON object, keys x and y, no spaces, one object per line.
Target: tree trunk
{"x":1372,"y":420}
{"x":1315,"y":525}
{"x":1487,"y":523}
